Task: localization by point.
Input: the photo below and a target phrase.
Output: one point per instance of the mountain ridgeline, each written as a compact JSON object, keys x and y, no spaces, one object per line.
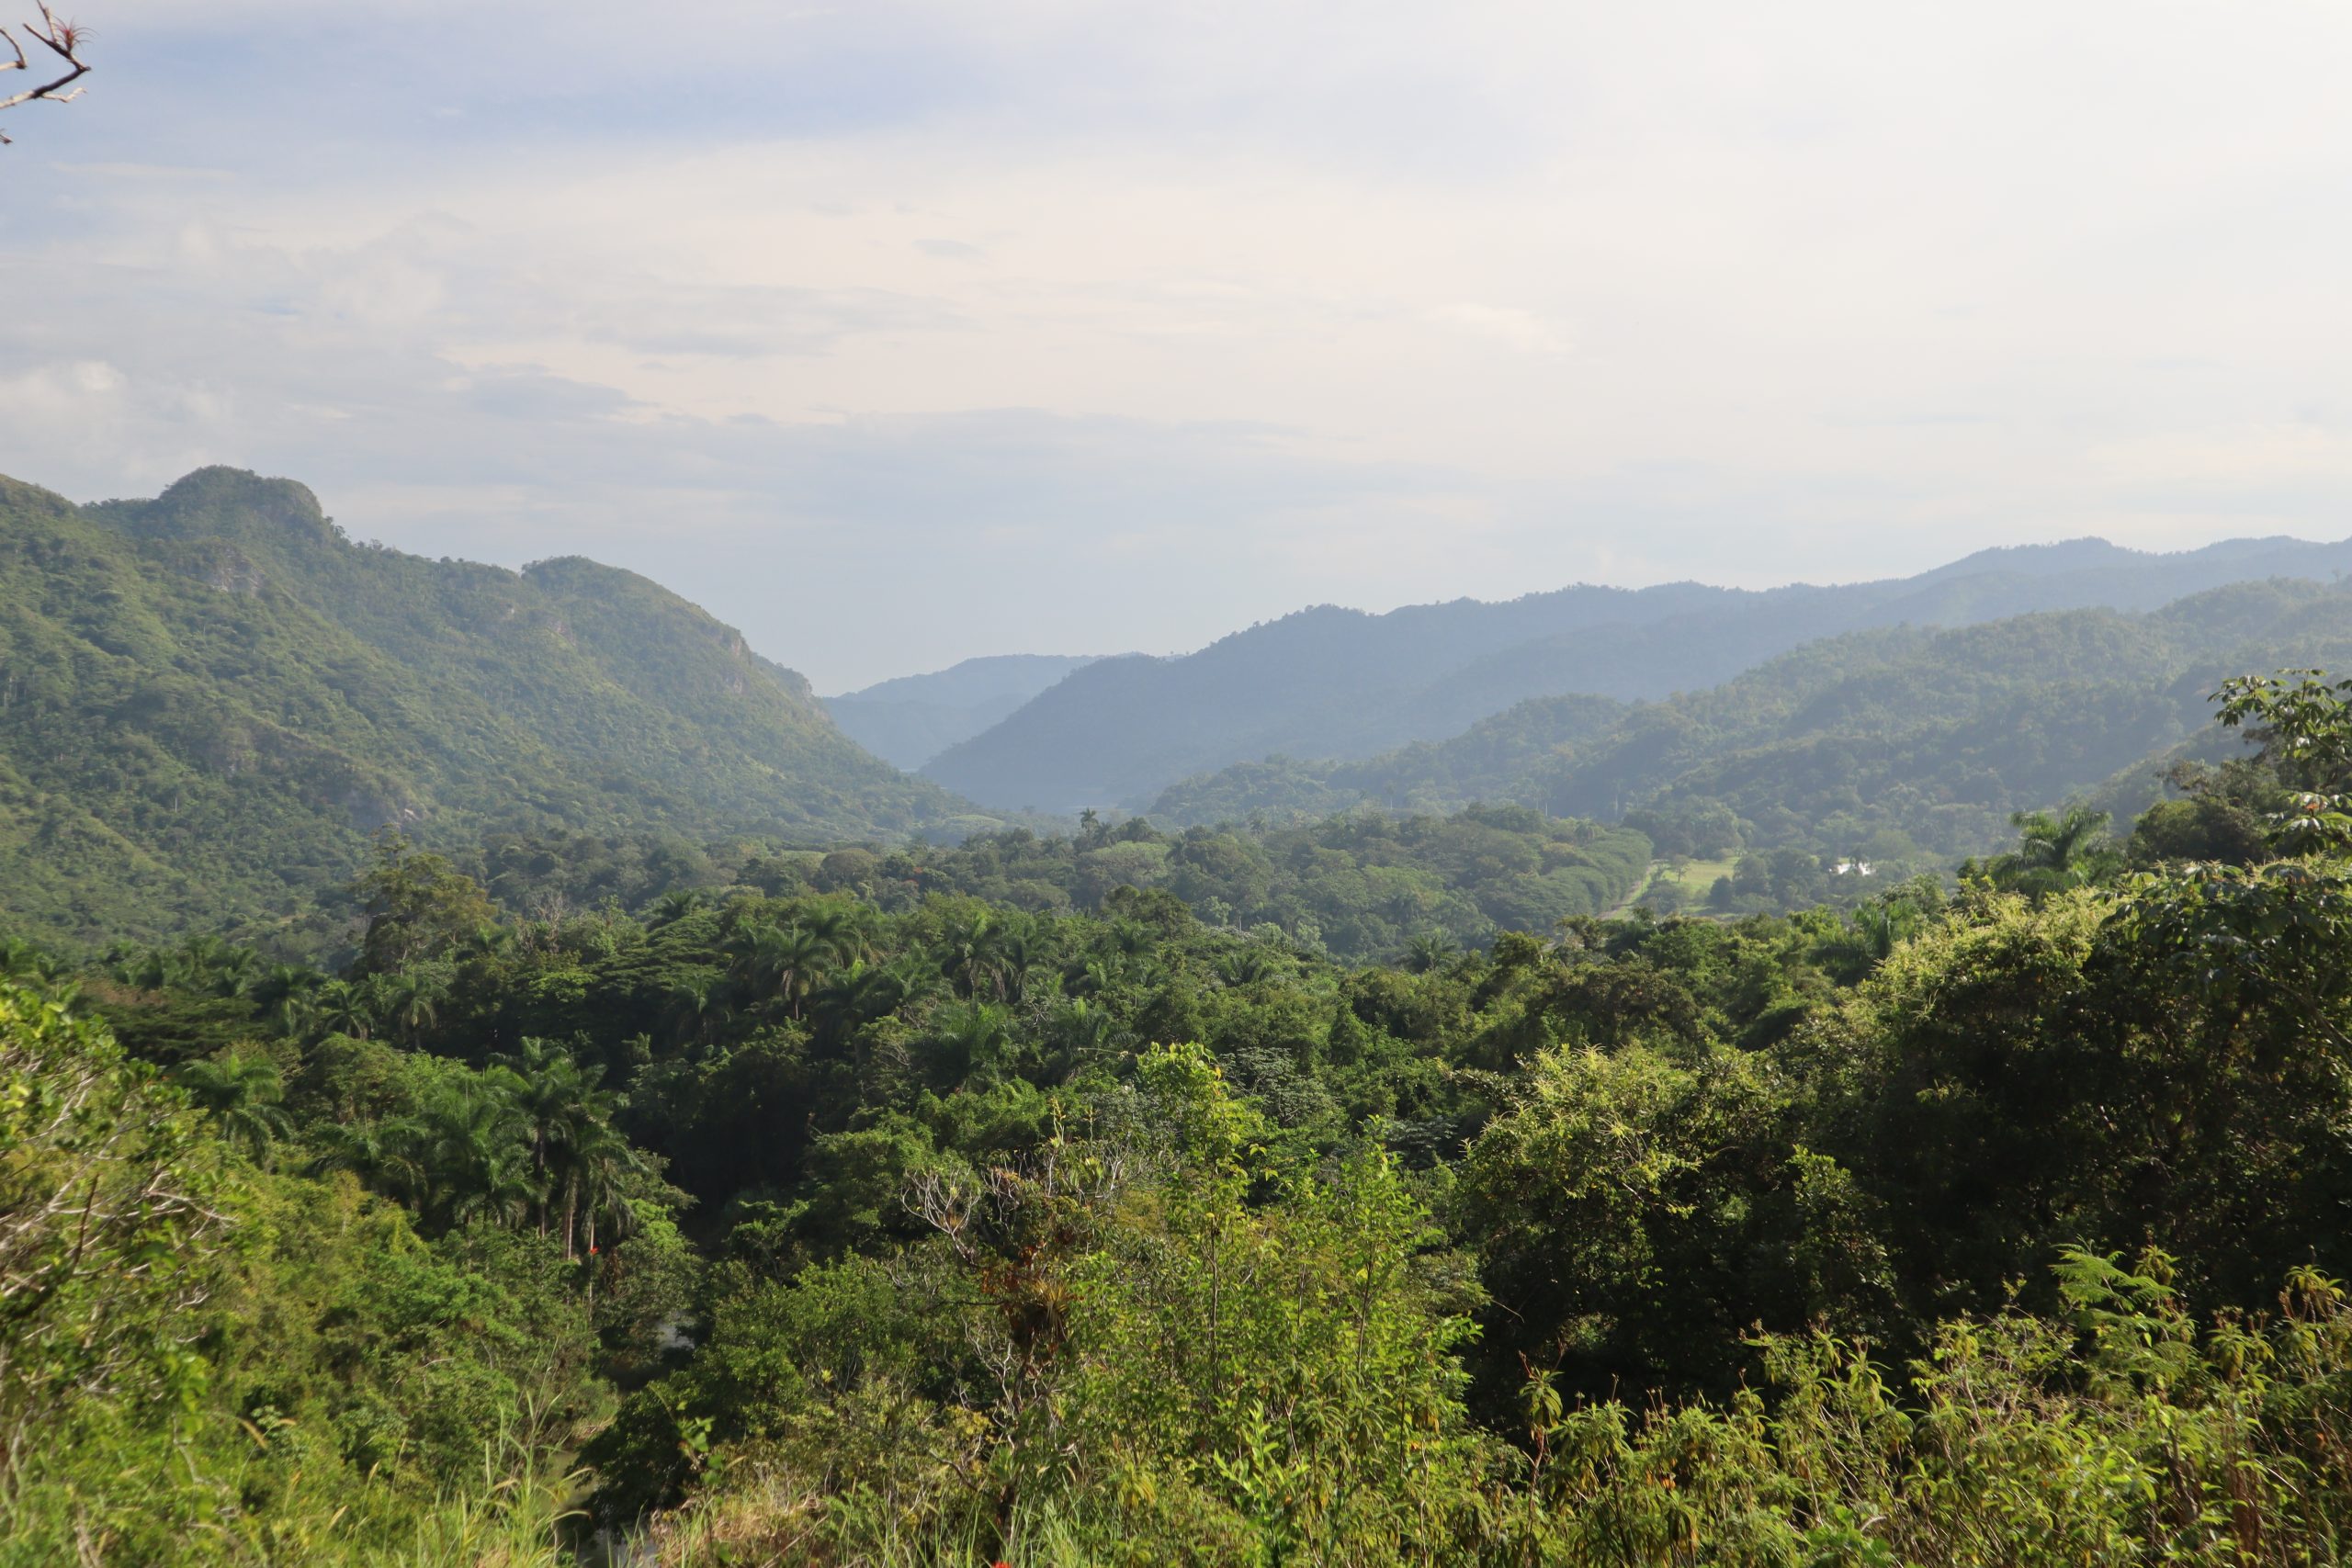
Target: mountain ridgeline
{"x":210,"y":702}
{"x":1329,"y":682}
{"x":910,"y":720}
{"x":1890,"y":744}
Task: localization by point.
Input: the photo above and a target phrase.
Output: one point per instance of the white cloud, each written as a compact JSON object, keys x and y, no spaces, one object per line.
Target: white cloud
{"x":1382,"y":302}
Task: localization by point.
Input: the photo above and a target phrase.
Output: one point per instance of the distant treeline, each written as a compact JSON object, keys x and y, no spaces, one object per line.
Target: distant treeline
{"x":1360,"y":886}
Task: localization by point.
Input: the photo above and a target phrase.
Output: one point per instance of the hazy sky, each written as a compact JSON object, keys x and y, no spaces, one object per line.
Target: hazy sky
{"x":896,"y":332}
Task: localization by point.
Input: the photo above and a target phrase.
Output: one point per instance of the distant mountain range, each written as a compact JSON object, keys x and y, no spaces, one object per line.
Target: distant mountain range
{"x":1334,"y":683}
{"x":1896,"y":743}
{"x":910,"y":719}
{"x":211,"y":701}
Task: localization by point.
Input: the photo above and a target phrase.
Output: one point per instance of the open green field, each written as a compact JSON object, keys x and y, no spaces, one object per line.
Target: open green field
{"x":1695,"y":878}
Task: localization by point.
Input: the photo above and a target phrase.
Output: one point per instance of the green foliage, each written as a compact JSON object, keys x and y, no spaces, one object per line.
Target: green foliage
{"x":1939,"y":1228}
{"x":210,"y":702}
{"x":110,"y":1231}
{"x":202,"y":1363}
{"x":1362,"y":885}
{"x":2304,"y":723}
{"x":2054,"y":854}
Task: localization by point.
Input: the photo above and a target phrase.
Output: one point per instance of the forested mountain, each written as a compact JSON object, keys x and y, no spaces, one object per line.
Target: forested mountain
{"x":211,"y":701}
{"x":1340,"y":683}
{"x":1880,"y":744}
{"x":909,"y":719}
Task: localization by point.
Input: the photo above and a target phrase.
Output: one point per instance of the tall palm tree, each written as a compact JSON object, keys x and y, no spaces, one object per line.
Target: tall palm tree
{"x":794,"y":960}
{"x":1131,"y":937}
{"x":974,"y":1037}
{"x":487,"y":939}
{"x":412,"y":1001}
{"x":235,"y":971}
{"x":148,"y":968}
{"x":672,"y":906}
{"x":859,"y":994}
{"x":696,"y":1005}
{"x":242,"y":1094}
{"x":1868,"y":940}
{"x":1245,"y":965}
{"x":1098,"y":975}
{"x":338,"y":1007}
{"x":559,"y":1105}
{"x":742,"y":944}
{"x":1431,"y":949}
{"x":974,"y":954}
{"x":1085,"y":1031}
{"x":1016,"y":953}
{"x":472,"y":1149}
{"x":285,"y":992}
{"x":914,"y":977}
{"x":841,"y":928}
{"x":388,"y":1155}
{"x":498,"y":1188}
{"x":2057,"y":853}
{"x":779,"y":961}
{"x":594,"y":1174}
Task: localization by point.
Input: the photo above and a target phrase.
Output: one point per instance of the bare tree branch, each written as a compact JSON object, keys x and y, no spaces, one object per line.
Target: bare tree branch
{"x":61,"y":39}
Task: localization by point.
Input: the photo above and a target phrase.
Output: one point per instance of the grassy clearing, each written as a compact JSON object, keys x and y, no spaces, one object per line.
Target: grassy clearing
{"x":1695,"y":879}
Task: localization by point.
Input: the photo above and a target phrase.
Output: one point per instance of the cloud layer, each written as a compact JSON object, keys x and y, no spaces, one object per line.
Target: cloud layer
{"x":898,"y":332}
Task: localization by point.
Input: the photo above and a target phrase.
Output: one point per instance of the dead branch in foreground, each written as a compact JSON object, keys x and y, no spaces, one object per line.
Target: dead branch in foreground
{"x":61,"y":39}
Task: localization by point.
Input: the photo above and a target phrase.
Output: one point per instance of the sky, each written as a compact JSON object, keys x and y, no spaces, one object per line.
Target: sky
{"x":896,"y":332}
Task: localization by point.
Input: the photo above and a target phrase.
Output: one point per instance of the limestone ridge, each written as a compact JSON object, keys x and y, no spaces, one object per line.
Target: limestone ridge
{"x":210,"y":699}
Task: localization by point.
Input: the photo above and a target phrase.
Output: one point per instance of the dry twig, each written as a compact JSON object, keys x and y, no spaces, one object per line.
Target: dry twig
{"x":61,"y":39}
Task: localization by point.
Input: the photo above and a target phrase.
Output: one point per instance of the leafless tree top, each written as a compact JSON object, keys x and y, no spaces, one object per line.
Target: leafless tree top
{"x":61,"y":39}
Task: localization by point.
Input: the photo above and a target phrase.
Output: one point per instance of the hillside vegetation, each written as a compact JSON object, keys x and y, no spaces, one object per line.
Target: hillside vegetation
{"x":2002,"y":1228}
{"x":1362,"y":885}
{"x":211,"y":701}
{"x":1339,"y":684}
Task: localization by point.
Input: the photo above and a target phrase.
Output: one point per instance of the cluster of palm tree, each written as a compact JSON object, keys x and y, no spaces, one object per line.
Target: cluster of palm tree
{"x":298,"y":1000}
{"x":989,"y":954}
{"x":1431,"y":949}
{"x":403,"y":1006}
{"x":2054,"y":853}
{"x":986,"y":968}
{"x":203,"y":965}
{"x":21,"y":961}
{"x":1127,"y":958}
{"x":1868,"y":937}
{"x":784,"y":963}
{"x":529,"y":1142}
{"x":825,"y":965}
{"x":244,"y":1094}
